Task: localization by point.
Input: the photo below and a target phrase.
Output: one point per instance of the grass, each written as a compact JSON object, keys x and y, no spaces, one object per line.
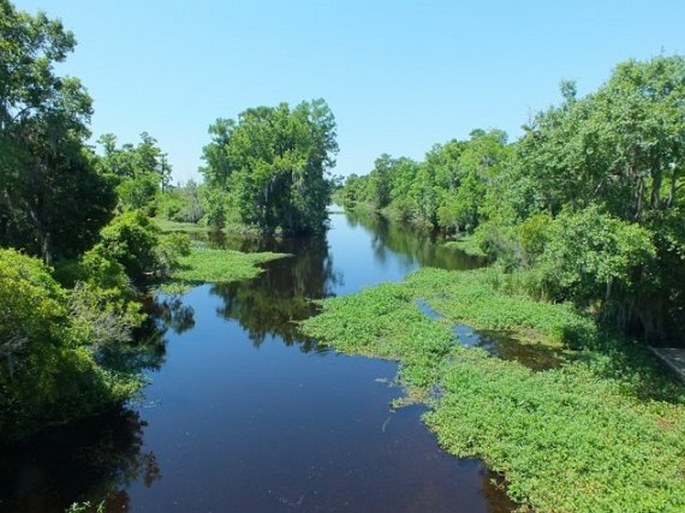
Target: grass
{"x":603,"y":433}
{"x":206,"y":265}
{"x":468,"y":244}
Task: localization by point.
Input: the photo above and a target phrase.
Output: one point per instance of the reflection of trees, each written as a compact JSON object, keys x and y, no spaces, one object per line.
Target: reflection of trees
{"x":416,"y":246}
{"x":93,"y":460}
{"x":271,"y":303}
{"x":169,"y":312}
{"x":148,"y":350}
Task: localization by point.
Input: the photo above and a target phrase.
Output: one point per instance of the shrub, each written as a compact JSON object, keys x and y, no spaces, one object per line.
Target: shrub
{"x":47,"y":373}
{"x":131,"y":239}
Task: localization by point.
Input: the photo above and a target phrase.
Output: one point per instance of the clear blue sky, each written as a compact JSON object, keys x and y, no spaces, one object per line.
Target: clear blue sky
{"x":398,"y":75}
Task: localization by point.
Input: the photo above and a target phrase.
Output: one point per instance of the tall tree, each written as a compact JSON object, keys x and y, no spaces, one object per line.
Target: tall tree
{"x":140,"y":172}
{"x":274,"y":162}
{"x":52,"y":201}
{"x":621,"y":148}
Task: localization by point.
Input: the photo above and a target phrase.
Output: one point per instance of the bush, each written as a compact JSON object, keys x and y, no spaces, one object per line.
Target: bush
{"x":131,"y":239}
{"x":589,"y":253}
{"x":170,"y":249}
{"x":48,"y":372}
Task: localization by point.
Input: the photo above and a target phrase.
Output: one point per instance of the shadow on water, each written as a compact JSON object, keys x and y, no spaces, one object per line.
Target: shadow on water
{"x":94,"y":458}
{"x":147,"y":352}
{"x":501,"y":344}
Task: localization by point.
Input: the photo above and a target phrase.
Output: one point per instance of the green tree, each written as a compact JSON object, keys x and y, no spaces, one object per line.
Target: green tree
{"x":140,"y":172}
{"x":131,"y":240}
{"x":273,"y":161}
{"x":181,"y":203}
{"x":591,"y":257}
{"x":52,"y":201}
{"x":380,"y":181}
{"x":622,"y":147}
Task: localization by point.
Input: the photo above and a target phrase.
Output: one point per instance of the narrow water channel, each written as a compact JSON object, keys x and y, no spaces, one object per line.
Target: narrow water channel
{"x":244,"y":416}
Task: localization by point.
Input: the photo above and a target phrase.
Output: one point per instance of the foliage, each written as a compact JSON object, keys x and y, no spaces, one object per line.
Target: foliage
{"x":49,"y":373}
{"x":131,"y":239}
{"x":445,"y":191}
{"x":588,"y":203}
{"x":589,"y":253}
{"x":615,"y":156}
{"x":217,"y":207}
{"x":140,"y":172}
{"x":272,"y":162}
{"x":181,"y":204}
{"x":107,"y":315}
{"x":52,"y":199}
{"x":86,"y":507}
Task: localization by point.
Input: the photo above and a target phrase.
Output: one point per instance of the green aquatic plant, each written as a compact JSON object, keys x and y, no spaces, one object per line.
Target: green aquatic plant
{"x":207,"y":265}
{"x":384,"y":322}
{"x":603,"y":433}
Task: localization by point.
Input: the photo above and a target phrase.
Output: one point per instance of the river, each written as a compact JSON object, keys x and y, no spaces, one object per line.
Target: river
{"x":242,"y":415}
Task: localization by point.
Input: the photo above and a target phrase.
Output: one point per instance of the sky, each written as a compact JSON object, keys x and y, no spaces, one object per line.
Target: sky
{"x":398,"y":75}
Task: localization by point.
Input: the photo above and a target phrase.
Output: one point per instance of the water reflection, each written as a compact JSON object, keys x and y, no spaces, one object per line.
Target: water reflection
{"x":169,"y":312}
{"x":415,"y":246}
{"x":502,"y":344}
{"x":95,"y":458}
{"x":148,"y":351}
{"x":271,"y":304}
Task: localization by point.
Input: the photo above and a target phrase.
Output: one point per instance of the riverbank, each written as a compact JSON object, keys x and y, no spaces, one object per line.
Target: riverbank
{"x":604,"y":431}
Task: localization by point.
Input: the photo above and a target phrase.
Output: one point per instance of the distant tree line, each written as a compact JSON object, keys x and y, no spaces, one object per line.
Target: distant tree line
{"x":588,"y":206}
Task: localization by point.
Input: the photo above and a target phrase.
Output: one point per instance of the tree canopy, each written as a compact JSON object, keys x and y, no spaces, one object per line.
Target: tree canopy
{"x":44,"y":163}
{"x":58,"y":202}
{"x":271,"y":166}
{"x":140,"y":172}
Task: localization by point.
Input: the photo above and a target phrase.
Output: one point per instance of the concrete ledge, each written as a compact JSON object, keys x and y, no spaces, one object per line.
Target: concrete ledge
{"x":673,"y":357}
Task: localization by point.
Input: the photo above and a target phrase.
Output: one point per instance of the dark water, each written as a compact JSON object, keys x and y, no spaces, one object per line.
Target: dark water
{"x":243,"y":415}
{"x":502,"y":344}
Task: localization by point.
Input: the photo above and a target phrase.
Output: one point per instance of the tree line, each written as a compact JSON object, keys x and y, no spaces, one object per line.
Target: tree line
{"x":587,"y":206}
